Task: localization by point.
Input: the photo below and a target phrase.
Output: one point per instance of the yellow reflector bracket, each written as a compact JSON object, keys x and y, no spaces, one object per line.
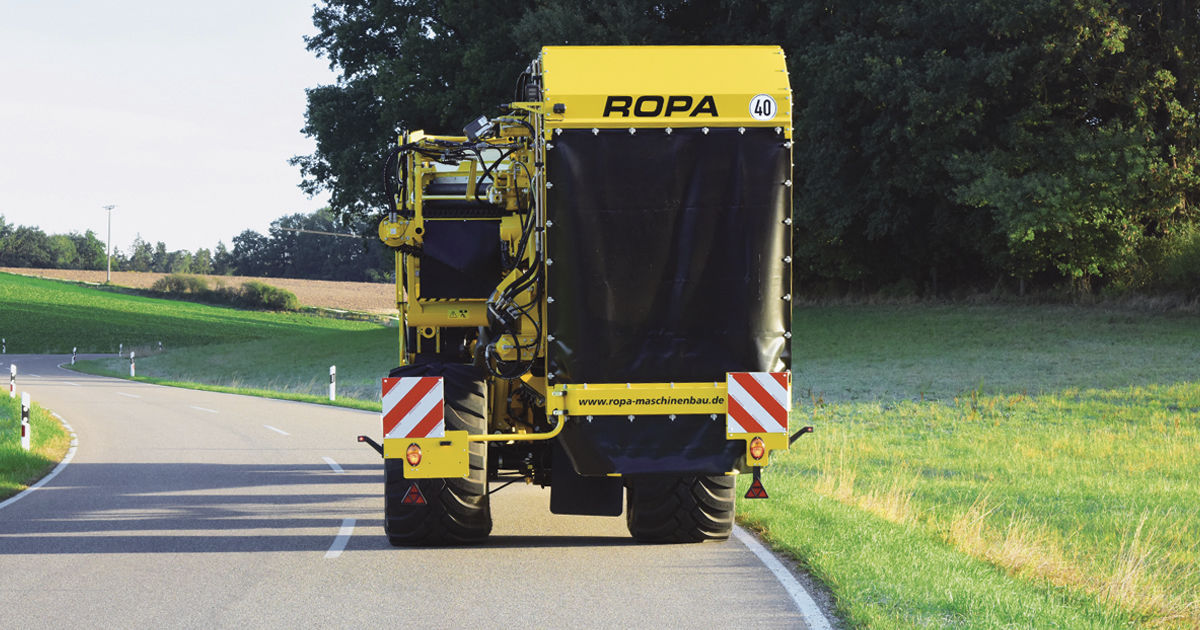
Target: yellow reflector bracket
{"x":761,"y":443}
{"x":435,"y":458}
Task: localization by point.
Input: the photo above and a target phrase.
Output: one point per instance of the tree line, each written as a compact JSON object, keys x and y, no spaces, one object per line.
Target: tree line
{"x":938,"y":146}
{"x":282,"y":252}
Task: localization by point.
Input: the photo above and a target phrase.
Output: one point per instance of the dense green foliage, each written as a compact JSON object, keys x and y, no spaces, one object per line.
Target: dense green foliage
{"x":939,"y":145}
{"x":41,"y":316}
{"x":23,"y":246}
{"x":313,"y":246}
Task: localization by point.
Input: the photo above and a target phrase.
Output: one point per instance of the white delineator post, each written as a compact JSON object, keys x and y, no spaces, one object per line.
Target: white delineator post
{"x":74,"y":351}
{"x":4,"y":345}
{"x":132,"y":370}
{"x":25,"y":420}
{"x":12,"y":380}
{"x":332,"y":382}
{"x":120,"y":349}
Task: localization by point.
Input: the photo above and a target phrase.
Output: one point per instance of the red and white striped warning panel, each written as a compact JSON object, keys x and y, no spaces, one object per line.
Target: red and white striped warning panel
{"x":759,"y":402}
{"x":413,"y":407}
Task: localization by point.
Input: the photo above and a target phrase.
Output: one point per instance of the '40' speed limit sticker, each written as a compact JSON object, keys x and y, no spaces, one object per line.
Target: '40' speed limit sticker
{"x":762,"y":107}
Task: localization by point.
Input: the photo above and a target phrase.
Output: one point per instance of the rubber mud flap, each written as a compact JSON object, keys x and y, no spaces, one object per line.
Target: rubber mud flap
{"x":572,"y":493}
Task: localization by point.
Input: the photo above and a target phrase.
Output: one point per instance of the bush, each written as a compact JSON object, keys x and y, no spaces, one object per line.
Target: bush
{"x":264,"y":296}
{"x":180,"y":284}
{"x":1180,"y":265}
{"x":252,"y":294}
{"x":1169,"y":264}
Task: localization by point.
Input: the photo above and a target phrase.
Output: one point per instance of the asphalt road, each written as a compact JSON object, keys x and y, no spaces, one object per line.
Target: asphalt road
{"x":189,"y":509}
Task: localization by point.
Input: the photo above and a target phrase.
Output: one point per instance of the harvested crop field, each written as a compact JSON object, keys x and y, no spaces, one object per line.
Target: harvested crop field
{"x":368,"y":297}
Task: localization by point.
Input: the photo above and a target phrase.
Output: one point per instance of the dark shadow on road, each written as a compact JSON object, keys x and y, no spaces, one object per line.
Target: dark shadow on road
{"x":188,"y":507}
{"x":561,"y":542}
{"x":369,"y":536}
{"x":216,"y":508}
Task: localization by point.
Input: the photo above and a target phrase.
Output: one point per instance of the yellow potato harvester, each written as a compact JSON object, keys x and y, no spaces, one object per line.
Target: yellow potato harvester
{"x":594,"y":289}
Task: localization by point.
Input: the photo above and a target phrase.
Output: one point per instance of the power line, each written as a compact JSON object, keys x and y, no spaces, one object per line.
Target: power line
{"x":322,"y":233}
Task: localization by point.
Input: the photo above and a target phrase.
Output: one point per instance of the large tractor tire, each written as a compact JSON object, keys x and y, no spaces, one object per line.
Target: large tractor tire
{"x":455,"y":511}
{"x":670,"y":509}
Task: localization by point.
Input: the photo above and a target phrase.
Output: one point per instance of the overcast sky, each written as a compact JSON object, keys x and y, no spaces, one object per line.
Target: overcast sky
{"x":183,"y":114}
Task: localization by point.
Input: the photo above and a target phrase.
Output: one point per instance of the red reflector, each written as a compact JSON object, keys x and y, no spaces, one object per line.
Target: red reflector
{"x":413,"y":496}
{"x":413,"y":455}
{"x":757,"y":448}
{"x":756,"y":491}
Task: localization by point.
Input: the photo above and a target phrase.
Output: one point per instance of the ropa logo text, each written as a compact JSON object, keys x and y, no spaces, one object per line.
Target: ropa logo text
{"x":652,"y":106}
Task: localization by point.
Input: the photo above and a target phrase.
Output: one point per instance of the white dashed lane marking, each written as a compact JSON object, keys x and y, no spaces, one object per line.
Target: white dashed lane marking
{"x":343,"y":537}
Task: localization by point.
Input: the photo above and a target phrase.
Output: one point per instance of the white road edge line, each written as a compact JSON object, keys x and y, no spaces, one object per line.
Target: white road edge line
{"x":279,"y":431}
{"x":128,"y":395}
{"x":70,"y":383}
{"x":333,"y":465}
{"x":204,"y":409}
{"x":53,"y":473}
{"x":813,"y":616}
{"x":343,"y":537}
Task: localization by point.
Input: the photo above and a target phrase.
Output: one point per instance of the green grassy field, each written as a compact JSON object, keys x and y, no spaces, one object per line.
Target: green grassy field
{"x":279,"y":354}
{"x":47,"y":316}
{"x":995,"y":466}
{"x":48,"y":444}
{"x":294,"y":365}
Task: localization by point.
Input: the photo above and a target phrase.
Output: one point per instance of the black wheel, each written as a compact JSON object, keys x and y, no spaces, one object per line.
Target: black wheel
{"x":456,"y":511}
{"x":672,"y":509}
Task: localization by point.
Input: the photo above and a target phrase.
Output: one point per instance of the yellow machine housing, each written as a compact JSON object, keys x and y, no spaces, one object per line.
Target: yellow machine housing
{"x":665,"y":86}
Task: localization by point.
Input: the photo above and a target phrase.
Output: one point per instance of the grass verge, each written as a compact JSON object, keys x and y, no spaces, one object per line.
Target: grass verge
{"x":1080,"y":501}
{"x":49,"y":442}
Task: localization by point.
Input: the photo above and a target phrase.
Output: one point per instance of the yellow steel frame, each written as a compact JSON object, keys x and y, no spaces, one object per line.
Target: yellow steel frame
{"x":430,"y":315}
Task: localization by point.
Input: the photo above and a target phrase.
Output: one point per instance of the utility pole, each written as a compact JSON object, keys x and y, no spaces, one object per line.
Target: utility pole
{"x":108,"y":274}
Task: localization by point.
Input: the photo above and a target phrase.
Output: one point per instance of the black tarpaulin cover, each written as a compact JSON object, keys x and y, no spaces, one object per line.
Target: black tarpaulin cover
{"x":667,"y":264}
